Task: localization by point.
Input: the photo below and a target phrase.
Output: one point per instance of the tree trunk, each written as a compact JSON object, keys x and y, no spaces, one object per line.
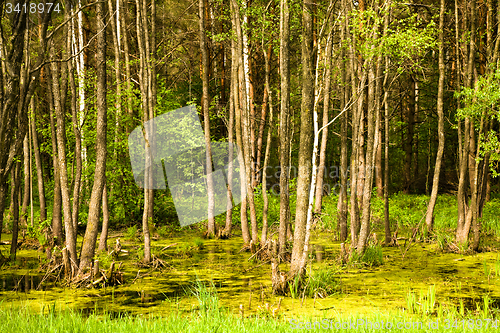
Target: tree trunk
{"x":146,"y":82}
{"x":408,"y":143}
{"x":77,"y":116}
{"x":115,"y":27}
{"x":429,"y":218}
{"x":241,"y":107}
{"x":63,"y":169}
{"x":103,"y":240}
{"x":344,"y":97}
{"x":39,"y":170}
{"x":16,"y":179}
{"x":89,"y":240}
{"x":27,"y":181}
{"x":206,"y":121}
{"x":371,"y":144}
{"x":128,"y":74}
{"x":284,"y":124}
{"x":267,"y":57}
{"x":306,"y":135}
{"x":57,"y":229}
{"x":465,"y":213}
{"x":324,"y":135}
{"x":229,"y":212}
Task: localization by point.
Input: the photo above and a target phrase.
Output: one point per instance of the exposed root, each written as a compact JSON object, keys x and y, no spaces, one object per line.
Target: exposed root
{"x":99,"y":277}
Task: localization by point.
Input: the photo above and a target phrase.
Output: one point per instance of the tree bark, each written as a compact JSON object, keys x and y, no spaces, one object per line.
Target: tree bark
{"x":16,"y":179}
{"x":284,"y":124}
{"x":103,"y":239}
{"x":206,"y":121}
{"x":324,"y":134}
{"x":239,"y":102}
{"x":57,"y":228}
{"x":344,"y":97}
{"x":39,"y":170}
{"x":90,"y":237}
{"x":306,"y":135}
{"x":62,"y":163}
{"x":265,"y":199}
{"x":429,"y":218}
{"x":27,"y":181}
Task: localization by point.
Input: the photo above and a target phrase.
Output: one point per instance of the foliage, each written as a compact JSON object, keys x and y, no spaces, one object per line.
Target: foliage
{"x":424,"y":304}
{"x":371,"y":257}
{"x":38,"y":231}
{"x":207,"y":298}
{"x":407,"y":38}
{"x":480,"y":103}
{"x":131,"y":233}
{"x":490,"y":221}
{"x":322,"y":283}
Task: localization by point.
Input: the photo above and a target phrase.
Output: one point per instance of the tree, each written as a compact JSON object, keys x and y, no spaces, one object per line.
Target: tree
{"x":284,"y":124}
{"x":429,"y":218}
{"x":89,"y":240}
{"x":306,"y":135}
{"x":205,"y":108}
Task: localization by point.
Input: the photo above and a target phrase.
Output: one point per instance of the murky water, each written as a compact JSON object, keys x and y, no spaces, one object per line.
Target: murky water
{"x":457,"y":278}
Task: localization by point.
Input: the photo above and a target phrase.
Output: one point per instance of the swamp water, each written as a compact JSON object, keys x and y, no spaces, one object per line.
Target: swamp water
{"x":457,"y":281}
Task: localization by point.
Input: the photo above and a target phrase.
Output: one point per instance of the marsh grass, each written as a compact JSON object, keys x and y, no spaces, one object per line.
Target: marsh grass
{"x":373,"y":256}
{"x":208,"y":301}
{"x":424,"y":304}
{"x":322,"y":283}
{"x":221,"y":320}
{"x":131,"y":233}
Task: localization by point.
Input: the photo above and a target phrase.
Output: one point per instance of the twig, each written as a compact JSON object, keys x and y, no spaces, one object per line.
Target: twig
{"x":166,"y":247}
{"x":47,"y":275}
{"x":413,"y":237}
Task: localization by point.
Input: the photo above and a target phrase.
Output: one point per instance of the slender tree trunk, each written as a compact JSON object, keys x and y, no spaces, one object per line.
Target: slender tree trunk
{"x":387,"y":222}
{"x":429,"y":218}
{"x":267,"y":57}
{"x":80,"y":69}
{"x":63,"y":173}
{"x":118,"y":102}
{"x":103,"y":240}
{"x":27,"y":181}
{"x":465,"y":213}
{"x":76,"y":117}
{"x":344,"y":97}
{"x":371,"y":144}
{"x":39,"y":170}
{"x":89,"y":240}
{"x":146,"y":97}
{"x":240,"y":111}
{"x":284,"y":124}
{"x":408,"y":143}
{"x":57,"y":229}
{"x":16,"y":179}
{"x":306,"y":135}
{"x":128,"y":75}
{"x":265,"y":102}
{"x":206,"y":121}
{"x":378,"y":167}
{"x":229,"y":212}
{"x":324,"y":134}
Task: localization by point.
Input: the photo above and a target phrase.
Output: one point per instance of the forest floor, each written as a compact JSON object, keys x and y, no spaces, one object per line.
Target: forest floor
{"x":414,"y":278}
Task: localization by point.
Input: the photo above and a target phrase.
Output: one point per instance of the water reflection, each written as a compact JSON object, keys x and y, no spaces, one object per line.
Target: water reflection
{"x":24,"y":283}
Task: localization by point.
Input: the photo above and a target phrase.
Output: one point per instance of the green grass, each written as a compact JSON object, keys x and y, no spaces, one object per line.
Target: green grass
{"x":220,"y":320}
{"x":372,"y":257}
